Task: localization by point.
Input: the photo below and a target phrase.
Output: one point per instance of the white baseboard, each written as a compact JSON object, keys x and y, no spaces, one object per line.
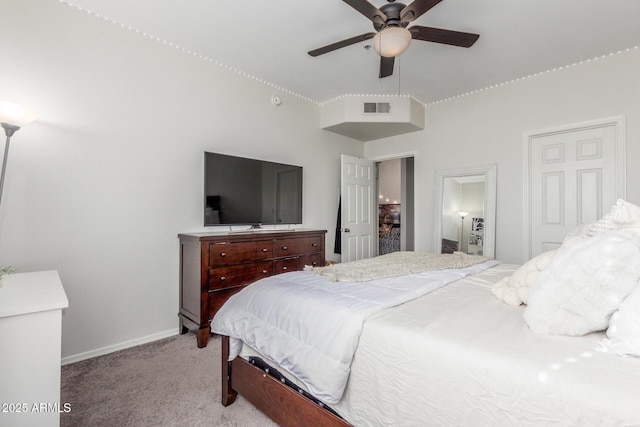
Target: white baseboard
{"x":120,"y":346}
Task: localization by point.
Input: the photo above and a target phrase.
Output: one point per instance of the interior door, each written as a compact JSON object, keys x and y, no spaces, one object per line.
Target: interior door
{"x":358,"y":216}
{"x":574,"y":180}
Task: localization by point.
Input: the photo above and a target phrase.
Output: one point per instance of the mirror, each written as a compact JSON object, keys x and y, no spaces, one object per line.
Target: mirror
{"x":465,"y":210}
{"x":463,"y":214}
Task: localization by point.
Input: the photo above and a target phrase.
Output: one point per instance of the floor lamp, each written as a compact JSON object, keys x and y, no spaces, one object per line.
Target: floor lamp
{"x":461,"y":229}
{"x":12,"y":118}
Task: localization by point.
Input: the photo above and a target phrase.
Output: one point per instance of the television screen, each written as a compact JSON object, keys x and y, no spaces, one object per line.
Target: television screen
{"x":239,"y":190}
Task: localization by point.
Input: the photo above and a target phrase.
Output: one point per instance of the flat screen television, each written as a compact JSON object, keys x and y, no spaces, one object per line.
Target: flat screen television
{"x":243,"y":191}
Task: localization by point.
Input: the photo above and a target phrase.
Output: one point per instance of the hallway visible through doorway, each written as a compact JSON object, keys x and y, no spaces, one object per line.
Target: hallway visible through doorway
{"x":395,"y":205}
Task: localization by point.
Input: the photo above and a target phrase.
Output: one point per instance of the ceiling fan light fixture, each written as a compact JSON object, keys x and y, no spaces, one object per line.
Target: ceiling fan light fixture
{"x":391,"y":41}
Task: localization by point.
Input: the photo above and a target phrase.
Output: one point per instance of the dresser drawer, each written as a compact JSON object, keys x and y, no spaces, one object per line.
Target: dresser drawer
{"x":234,"y":253}
{"x":226,"y":277}
{"x":285,"y":265}
{"x":314,"y":260}
{"x":306,"y":245}
{"x":297,"y":263}
{"x":218,"y":298}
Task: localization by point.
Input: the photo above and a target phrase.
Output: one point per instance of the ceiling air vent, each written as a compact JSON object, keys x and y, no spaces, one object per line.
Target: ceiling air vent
{"x":377,"y":107}
{"x":384,"y":107}
{"x":370,"y":107}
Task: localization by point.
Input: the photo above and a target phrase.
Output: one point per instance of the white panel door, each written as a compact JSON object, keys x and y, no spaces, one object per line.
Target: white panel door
{"x":358,"y":216}
{"x":573,"y":181}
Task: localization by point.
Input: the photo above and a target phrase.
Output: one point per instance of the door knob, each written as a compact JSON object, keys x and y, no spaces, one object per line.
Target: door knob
{"x":346,"y":230}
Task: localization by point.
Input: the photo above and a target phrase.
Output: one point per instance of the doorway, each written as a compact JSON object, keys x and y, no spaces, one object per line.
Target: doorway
{"x":395,"y":179}
{"x":360,"y":208}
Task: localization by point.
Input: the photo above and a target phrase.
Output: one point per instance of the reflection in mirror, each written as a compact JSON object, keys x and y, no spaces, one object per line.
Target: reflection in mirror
{"x":463,"y":214}
{"x":465,"y":210}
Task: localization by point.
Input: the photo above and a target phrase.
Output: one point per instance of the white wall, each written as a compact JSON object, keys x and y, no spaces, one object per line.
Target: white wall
{"x":487,"y":127}
{"x":99,"y":187}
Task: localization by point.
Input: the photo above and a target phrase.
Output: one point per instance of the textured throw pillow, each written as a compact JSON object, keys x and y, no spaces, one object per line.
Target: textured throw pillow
{"x":624,"y":328}
{"x":623,"y":215}
{"x":584,"y":285}
{"x":514,"y":289}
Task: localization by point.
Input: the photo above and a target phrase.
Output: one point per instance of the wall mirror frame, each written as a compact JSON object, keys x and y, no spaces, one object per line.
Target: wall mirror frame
{"x":490,"y":178}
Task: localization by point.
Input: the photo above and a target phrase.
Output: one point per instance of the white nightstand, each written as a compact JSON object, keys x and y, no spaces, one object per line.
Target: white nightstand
{"x":30,"y":348}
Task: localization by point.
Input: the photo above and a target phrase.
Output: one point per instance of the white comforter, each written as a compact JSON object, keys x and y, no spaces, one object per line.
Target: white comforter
{"x":311,"y":327}
{"x":460,"y":357}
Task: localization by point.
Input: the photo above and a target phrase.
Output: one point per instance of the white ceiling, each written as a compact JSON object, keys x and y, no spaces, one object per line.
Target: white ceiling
{"x":269,"y":40}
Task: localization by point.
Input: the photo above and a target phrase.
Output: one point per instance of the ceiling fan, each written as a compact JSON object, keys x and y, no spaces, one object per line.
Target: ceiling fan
{"x":392,"y":37}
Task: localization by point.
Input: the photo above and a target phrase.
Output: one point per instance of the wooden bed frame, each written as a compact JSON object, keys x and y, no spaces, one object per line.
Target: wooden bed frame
{"x":282,"y":404}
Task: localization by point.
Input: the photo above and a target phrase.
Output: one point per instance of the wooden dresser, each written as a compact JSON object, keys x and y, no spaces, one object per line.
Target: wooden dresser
{"x":214,"y":266}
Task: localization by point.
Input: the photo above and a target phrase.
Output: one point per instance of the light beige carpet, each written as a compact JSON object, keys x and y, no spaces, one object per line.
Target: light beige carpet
{"x":169,"y":382}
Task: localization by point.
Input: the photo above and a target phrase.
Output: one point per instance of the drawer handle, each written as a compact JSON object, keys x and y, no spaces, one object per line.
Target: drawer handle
{"x":223,"y":254}
{"x":264,"y":271}
{"x":284,"y":248}
{"x":314,"y":263}
{"x":314,"y":244}
{"x":222,"y":278}
{"x":284,"y":268}
{"x":265,"y":250}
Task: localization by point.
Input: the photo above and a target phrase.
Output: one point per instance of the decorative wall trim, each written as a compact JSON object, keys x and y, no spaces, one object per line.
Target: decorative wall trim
{"x":249,"y":76}
{"x":533,"y":75}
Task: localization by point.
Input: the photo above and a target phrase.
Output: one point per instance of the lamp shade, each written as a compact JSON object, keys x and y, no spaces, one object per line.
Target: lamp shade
{"x":391,"y":41}
{"x":16,"y":115}
{"x":463,"y":214}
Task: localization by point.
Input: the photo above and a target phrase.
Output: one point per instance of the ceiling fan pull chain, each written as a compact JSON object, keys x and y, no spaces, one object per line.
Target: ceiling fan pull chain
{"x":399,"y":74}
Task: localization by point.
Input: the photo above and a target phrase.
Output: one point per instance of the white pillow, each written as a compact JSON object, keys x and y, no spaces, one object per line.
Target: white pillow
{"x":624,"y":328}
{"x":623,"y":215}
{"x":584,"y":285}
{"x":514,"y":289}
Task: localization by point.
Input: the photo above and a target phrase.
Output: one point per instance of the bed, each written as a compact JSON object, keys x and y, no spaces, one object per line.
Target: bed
{"x":455,"y":355}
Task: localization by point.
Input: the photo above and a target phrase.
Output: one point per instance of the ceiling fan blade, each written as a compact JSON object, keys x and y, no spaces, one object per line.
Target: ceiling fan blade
{"x":438,"y":35}
{"x":340,"y":44}
{"x":417,"y":9}
{"x":386,"y":66}
{"x":368,"y":10}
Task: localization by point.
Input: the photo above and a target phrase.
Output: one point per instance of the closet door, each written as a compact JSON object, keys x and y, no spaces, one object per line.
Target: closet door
{"x":574,"y":179}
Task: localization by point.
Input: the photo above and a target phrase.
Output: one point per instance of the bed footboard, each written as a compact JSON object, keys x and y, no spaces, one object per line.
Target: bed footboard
{"x":280,"y":403}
